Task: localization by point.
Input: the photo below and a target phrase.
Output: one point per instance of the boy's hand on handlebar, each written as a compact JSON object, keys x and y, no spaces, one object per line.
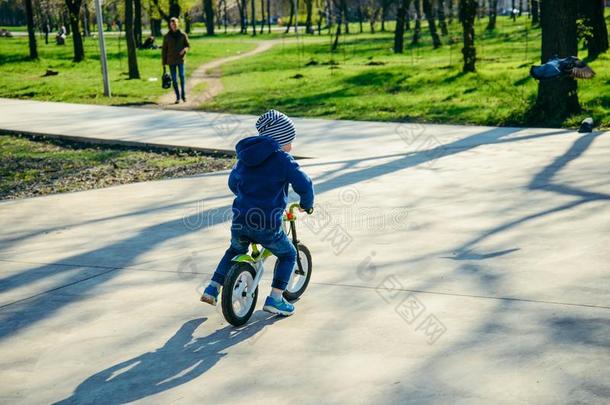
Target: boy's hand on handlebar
{"x":309,"y":211}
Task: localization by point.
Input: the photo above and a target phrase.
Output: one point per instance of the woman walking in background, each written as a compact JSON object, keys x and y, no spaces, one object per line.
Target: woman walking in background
{"x":175,"y":46}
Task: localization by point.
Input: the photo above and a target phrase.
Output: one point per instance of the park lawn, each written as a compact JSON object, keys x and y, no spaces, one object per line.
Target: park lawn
{"x":38,"y":166}
{"x":82,"y":82}
{"x":365,"y":80}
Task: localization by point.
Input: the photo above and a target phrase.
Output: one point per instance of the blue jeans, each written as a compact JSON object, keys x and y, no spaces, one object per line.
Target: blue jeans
{"x":273,"y":239}
{"x":172,"y":71}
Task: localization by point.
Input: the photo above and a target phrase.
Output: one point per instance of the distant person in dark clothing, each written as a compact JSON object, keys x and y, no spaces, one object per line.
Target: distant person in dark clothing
{"x":149,"y":43}
{"x":175,"y":46}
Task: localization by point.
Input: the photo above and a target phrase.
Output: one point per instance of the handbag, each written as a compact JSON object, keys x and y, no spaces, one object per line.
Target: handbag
{"x":166,"y":80}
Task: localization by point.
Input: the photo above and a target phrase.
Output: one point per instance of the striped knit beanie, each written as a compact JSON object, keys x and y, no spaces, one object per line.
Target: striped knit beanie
{"x":276,"y":125}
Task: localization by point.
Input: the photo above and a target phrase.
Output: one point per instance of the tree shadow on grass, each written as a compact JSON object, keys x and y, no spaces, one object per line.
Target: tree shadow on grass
{"x":180,"y":360}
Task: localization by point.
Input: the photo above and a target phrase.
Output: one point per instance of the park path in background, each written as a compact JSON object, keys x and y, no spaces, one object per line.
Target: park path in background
{"x":208,"y":73}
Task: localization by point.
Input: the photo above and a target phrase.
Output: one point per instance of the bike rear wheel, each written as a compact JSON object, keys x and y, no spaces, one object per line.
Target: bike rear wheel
{"x":298,"y":282}
{"x":239,"y":294}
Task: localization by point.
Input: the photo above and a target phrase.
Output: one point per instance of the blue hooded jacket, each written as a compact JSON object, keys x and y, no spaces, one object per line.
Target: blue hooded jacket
{"x":260,"y":182}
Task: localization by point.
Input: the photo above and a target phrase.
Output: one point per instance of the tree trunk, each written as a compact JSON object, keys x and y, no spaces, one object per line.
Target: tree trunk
{"x":187,"y":22}
{"x":253,"y":5}
{"x":513,"y":15}
{"x":29,"y":11}
{"x":558,"y":98}
{"x":417,"y":30}
{"x":86,"y":19}
{"x":493,"y":14}
{"x":263,"y":21}
{"x":535,"y":11}
{"x":269,"y":16}
{"x":132,"y":58}
{"x":593,"y":11}
{"x":155,"y":27}
{"x":468,"y":13}
{"x":442,"y":23}
{"x":291,"y":16}
{"x":66,"y":21}
{"x":399,"y":32}
{"x":174,"y":8}
{"x":242,"y":16}
{"x":137,"y":22}
{"x":338,"y":33}
{"x":373,"y":19}
{"x":209,"y":16}
{"x":430,"y":17}
{"x":308,"y":24}
{"x":345,"y":15}
{"x":77,"y":39}
{"x":451,"y":11}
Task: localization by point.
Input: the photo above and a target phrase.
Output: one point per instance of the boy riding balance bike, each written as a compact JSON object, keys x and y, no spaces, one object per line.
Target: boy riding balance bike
{"x":260,"y":182}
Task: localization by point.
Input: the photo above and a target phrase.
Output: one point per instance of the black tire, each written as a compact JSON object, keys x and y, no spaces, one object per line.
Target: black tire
{"x":231,"y":279}
{"x":305,"y":256}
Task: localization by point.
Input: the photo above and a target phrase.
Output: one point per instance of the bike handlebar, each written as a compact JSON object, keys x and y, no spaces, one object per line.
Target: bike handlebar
{"x":292,"y":207}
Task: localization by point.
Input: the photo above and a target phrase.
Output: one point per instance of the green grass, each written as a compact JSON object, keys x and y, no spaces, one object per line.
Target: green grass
{"x":370,"y":82}
{"x":82,"y":82}
{"x":30,"y":167}
{"x":363,"y":80}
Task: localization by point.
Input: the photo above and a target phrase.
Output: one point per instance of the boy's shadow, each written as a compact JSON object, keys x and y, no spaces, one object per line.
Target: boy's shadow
{"x":181,"y":359}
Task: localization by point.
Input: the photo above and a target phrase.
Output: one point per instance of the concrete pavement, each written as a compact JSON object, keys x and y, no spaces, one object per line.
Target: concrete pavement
{"x":451,"y":264}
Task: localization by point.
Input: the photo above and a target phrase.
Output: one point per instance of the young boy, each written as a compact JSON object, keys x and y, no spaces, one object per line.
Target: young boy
{"x":260,"y":182}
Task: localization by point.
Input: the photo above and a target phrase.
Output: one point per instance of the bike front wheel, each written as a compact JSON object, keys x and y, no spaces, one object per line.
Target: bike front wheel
{"x":299,"y":280}
{"x":239,"y":294}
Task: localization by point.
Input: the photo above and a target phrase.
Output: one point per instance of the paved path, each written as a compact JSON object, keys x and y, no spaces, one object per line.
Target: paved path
{"x":451,"y":265}
{"x":216,"y":131}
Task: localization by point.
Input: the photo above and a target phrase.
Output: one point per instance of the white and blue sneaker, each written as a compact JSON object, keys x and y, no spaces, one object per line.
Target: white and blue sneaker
{"x":210,"y":295}
{"x":279,"y":307}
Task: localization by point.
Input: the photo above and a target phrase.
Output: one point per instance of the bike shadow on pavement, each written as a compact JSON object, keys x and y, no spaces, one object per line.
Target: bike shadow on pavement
{"x":181,"y":359}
